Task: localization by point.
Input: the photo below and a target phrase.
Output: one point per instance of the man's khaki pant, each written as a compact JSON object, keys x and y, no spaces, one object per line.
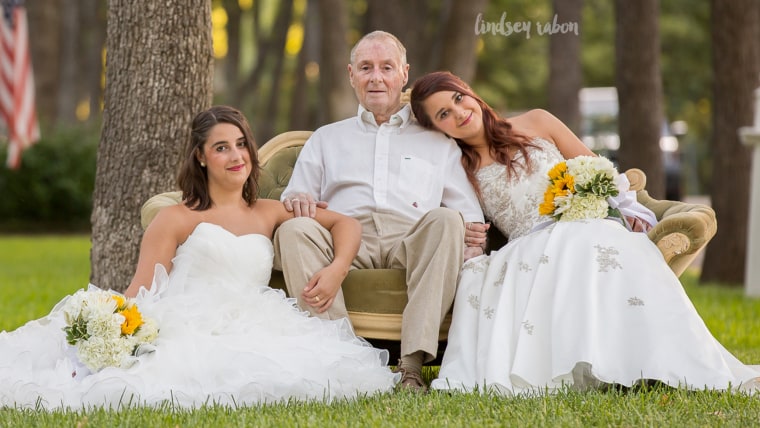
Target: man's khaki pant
{"x":431,"y":250}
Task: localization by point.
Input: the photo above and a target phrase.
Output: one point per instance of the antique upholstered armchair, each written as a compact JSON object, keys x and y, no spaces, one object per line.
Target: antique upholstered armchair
{"x":375,"y":298}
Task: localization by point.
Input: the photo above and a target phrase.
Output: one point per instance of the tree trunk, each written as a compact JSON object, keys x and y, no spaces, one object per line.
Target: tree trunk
{"x":460,"y":41}
{"x":416,"y":24}
{"x":267,"y":122}
{"x":333,"y":74}
{"x":736,"y":64}
{"x":249,"y":83}
{"x":639,"y":85}
{"x":70,"y":79}
{"x":302,"y":107}
{"x":159,"y":75}
{"x":231,"y":63}
{"x":44,"y":46}
{"x":93,"y":20}
{"x":565,"y":73}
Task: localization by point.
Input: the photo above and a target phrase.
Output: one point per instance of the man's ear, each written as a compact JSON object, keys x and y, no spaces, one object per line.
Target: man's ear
{"x":350,"y":75}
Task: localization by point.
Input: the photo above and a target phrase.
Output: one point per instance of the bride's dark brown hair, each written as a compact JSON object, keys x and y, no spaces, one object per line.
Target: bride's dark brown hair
{"x":193,"y":177}
{"x":502,"y":140}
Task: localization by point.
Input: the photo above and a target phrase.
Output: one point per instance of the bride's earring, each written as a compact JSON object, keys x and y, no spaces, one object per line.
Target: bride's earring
{"x":203,"y":164}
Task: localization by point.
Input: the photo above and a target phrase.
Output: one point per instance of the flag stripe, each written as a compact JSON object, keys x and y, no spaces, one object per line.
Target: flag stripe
{"x":17,"y":106}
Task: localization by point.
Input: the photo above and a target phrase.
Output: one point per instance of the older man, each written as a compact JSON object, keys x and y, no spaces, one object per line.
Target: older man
{"x":406,"y":186}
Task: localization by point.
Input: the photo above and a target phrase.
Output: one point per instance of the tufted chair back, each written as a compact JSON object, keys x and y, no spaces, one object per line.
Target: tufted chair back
{"x":276,"y":172}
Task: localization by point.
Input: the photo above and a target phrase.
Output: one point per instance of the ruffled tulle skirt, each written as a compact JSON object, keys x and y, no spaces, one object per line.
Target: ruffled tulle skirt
{"x":235,"y":346}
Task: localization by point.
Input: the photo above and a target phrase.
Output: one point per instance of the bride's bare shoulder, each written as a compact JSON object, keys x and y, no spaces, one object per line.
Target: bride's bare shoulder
{"x":532,"y":118}
{"x":533,"y":123}
{"x":176,"y":220}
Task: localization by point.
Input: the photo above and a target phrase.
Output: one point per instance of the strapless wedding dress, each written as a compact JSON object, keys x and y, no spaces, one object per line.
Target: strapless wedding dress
{"x":225,"y":338}
{"x":579,"y":303}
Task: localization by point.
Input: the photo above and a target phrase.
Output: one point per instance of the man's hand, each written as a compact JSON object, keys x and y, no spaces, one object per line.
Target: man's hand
{"x":475,"y":234}
{"x":303,"y":205}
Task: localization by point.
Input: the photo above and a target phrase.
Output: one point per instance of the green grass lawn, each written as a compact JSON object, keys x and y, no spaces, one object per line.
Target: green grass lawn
{"x":36,"y":272}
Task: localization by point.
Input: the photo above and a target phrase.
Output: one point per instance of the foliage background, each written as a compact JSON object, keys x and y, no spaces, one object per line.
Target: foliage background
{"x":53,"y":190}
{"x":511,"y":75}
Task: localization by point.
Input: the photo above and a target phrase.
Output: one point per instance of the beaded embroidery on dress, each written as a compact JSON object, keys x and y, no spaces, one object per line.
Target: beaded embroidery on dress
{"x":578,"y":303}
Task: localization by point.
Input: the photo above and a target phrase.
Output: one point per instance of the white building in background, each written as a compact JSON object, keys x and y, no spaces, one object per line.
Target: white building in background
{"x":599,"y":131}
{"x":751,"y":137}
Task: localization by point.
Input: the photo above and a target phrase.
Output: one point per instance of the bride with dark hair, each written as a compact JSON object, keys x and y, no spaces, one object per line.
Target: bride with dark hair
{"x":224,"y":337}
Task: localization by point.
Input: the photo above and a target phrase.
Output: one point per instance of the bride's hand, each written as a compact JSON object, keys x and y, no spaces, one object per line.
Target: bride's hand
{"x":322,"y":288}
{"x":470,"y":252}
{"x":638,"y":225}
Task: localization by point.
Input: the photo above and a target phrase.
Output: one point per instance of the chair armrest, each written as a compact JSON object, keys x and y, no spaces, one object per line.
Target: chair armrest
{"x":682,"y":229}
{"x":681,"y":235}
{"x":153,"y":205}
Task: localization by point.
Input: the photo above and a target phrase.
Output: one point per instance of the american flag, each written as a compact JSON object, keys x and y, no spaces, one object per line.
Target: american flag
{"x":16,"y":82}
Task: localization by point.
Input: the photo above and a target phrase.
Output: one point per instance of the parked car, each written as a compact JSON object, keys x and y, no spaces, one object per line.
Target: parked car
{"x":599,"y":131}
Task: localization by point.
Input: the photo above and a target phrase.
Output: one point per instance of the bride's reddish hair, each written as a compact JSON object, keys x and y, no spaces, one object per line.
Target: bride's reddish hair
{"x":502,"y":140}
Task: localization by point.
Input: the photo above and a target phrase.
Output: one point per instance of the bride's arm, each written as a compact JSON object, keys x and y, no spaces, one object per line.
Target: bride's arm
{"x":159,"y":245}
{"x":346,"y":232}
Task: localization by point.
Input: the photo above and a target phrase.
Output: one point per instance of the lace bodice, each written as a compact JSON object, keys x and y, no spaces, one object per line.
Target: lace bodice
{"x":512,"y":204}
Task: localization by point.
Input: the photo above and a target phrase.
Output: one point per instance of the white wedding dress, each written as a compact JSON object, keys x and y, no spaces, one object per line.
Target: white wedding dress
{"x":581,"y":303}
{"x":225,"y":338}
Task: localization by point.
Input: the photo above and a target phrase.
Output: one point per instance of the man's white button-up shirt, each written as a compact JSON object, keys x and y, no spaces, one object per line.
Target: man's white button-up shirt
{"x":359,"y":167}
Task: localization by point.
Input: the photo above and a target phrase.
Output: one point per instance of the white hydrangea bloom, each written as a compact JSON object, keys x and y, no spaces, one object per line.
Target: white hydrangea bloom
{"x":589,"y":206}
{"x":103,"y":344}
{"x":584,"y":168}
{"x":148,"y":332}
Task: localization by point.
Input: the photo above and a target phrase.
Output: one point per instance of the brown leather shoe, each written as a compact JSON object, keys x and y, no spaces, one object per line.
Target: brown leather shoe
{"x":410,"y":381}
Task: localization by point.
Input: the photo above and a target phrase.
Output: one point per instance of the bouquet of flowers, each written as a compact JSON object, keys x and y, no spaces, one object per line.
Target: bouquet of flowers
{"x":106,"y":328}
{"x":579,"y":188}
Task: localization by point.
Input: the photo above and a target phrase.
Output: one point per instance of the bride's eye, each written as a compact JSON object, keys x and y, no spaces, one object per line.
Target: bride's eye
{"x":459,"y":97}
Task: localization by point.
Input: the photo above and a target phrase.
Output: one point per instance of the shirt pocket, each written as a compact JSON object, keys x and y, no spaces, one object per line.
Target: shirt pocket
{"x":416,"y":178}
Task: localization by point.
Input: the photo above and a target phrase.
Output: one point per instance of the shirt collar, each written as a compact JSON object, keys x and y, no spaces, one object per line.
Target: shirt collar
{"x":400,"y":119}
